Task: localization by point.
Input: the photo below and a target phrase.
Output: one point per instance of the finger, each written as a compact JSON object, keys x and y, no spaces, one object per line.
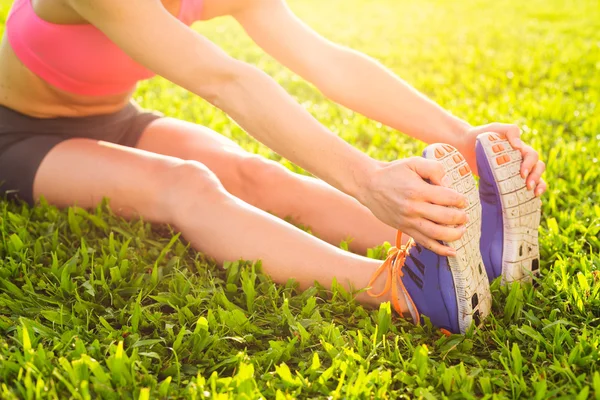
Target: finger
{"x":530,"y":159}
{"x":511,"y":131}
{"x":536,"y":175}
{"x":492,"y":127}
{"x":513,"y":134}
{"x":433,"y":245}
{"x":430,"y":170}
{"x":439,"y":232}
{"x":443,"y":215}
{"x":541,"y":188}
{"x":443,"y":196}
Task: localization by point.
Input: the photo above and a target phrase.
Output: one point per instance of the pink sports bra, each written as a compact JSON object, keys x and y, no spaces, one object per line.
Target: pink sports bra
{"x":79,"y":59}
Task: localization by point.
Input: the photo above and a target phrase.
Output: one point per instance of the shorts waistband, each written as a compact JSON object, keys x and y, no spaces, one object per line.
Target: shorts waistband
{"x":11,"y":119}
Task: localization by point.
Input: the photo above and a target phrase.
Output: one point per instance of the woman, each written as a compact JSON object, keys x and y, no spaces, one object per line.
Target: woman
{"x":68,"y":69}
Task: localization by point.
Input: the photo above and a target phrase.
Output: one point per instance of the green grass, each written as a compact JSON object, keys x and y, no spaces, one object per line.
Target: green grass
{"x":93,"y":306}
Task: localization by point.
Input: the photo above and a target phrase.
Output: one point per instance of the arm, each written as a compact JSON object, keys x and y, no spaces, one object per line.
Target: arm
{"x":155,"y":39}
{"x":364,"y":85}
{"x":347,"y":77}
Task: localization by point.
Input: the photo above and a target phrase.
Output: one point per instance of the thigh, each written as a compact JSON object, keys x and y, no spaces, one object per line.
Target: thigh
{"x":20,"y":159}
{"x":188,"y":141}
{"x":84,"y":171}
{"x":171,"y":136}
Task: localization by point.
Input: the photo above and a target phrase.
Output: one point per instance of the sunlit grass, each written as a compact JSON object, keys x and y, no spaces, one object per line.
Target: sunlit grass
{"x":93,"y":306}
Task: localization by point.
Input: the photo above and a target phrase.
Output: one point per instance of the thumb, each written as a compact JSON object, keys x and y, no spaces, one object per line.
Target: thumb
{"x":513,"y":134}
{"x":430,"y":170}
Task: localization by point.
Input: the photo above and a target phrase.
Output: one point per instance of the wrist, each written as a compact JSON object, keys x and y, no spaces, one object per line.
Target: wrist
{"x":364,"y":181}
{"x":360,"y":177}
{"x":458,"y":131}
{"x":458,"y":128}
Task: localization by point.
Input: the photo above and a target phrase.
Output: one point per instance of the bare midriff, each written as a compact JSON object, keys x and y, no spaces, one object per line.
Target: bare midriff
{"x":25,"y":92}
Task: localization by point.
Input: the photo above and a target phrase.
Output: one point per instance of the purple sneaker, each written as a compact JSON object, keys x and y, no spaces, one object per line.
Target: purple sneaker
{"x":452,"y":292}
{"x":510,"y":212}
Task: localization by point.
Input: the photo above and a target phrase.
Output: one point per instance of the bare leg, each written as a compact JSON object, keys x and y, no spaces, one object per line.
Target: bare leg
{"x":331,"y":215}
{"x":190,"y":197}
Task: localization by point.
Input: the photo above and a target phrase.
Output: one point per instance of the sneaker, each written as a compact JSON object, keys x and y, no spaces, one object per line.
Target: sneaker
{"x":510,"y":212}
{"x":453,"y":292}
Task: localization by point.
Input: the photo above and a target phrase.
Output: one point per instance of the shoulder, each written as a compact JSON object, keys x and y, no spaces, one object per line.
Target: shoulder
{"x":101,"y":7}
{"x":218,"y":8}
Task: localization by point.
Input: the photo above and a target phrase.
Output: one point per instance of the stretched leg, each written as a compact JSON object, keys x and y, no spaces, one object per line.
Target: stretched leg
{"x":331,"y":215}
{"x":189,"y":196}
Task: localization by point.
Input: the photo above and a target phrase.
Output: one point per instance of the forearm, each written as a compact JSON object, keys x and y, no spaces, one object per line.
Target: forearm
{"x":367,"y":87}
{"x":268,"y":113}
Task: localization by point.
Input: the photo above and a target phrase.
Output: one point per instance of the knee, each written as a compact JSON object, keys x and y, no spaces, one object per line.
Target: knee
{"x":259,"y":176}
{"x":184,"y":186}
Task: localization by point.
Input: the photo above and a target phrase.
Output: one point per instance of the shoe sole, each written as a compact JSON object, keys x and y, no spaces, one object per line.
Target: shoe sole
{"x":468,"y":271}
{"x":521,"y":210}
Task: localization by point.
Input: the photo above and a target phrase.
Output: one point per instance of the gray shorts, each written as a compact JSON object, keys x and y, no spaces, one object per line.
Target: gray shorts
{"x":25,"y":141}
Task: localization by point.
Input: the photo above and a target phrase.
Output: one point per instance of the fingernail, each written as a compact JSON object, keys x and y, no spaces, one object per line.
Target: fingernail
{"x":446,"y":181}
{"x":518,"y":142}
{"x":525,"y":173}
{"x":529,"y":185}
{"x":452,"y":252}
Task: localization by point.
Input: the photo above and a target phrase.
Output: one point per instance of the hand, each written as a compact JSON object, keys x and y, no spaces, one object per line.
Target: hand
{"x":531,"y":168}
{"x":398,"y":195}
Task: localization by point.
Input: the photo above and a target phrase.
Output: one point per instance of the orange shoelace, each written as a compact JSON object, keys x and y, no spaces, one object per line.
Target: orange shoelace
{"x":393,"y":267}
